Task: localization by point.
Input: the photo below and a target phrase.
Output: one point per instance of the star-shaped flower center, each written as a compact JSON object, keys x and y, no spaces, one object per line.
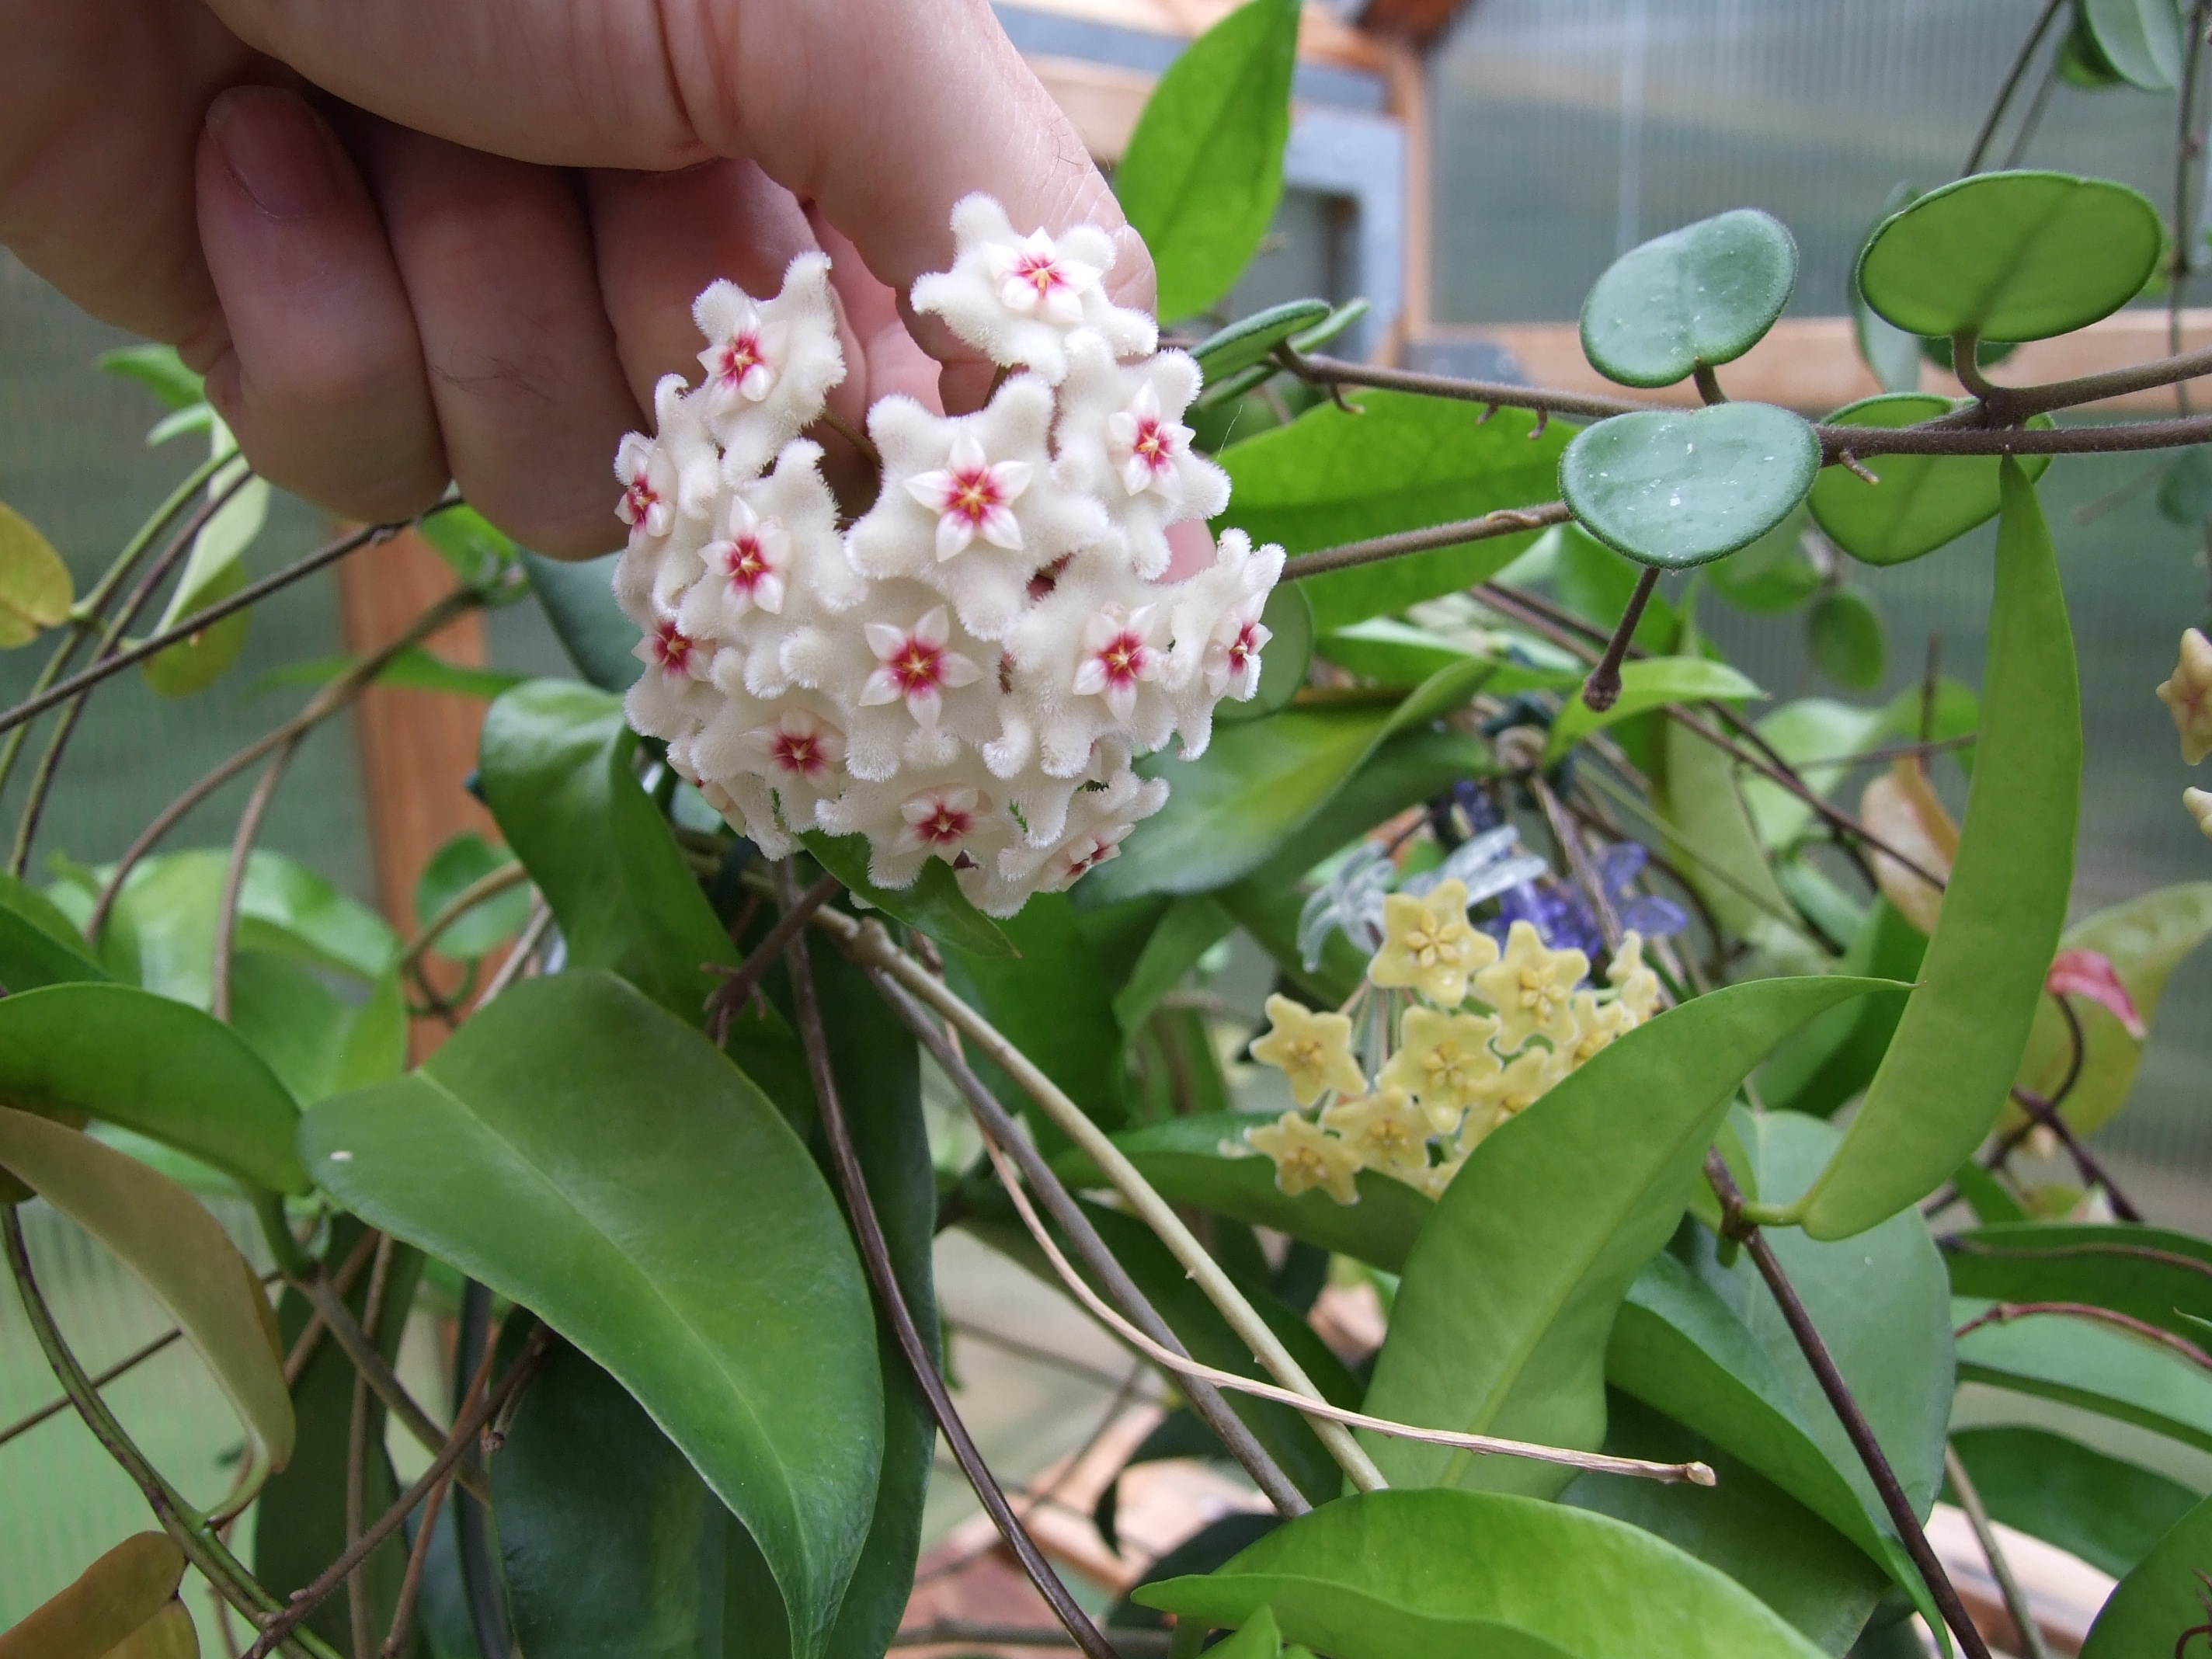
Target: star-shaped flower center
{"x":671,"y":649}
{"x":638,"y":499}
{"x":915,"y":664}
{"x":1088,"y":855}
{"x":1245,"y":649}
{"x":941,"y":818}
{"x":746,"y":562}
{"x":1038,"y":279}
{"x":972,"y":495}
{"x":798,"y":752}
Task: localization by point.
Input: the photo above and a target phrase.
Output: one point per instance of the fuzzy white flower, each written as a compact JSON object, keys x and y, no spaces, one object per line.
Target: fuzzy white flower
{"x":1016,"y":299}
{"x":1122,"y":442}
{"x":913,"y":666}
{"x":769,"y":364}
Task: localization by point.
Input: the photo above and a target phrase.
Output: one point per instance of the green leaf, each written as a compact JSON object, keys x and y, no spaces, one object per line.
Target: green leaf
{"x":539,"y":1152}
{"x":413,"y":669}
{"x":1719,"y":852}
{"x":2140,"y":39}
{"x":1258,"y":1639}
{"x":478,"y":552}
{"x":934,"y":903}
{"x":198,"y":660}
{"x":578,"y":599}
{"x":1949,"y":1070}
{"x":1773,"y":575}
{"x":1186,"y":931}
{"x":1693,"y":299}
{"x":558,"y":777}
{"x":2109,"y":1512}
{"x":1813,"y":734}
{"x":1288,"y":618}
{"x":464,"y":860}
{"x":1596,"y":584}
{"x":1252,"y":340}
{"x":35,"y":591}
{"x":1823,"y":1066}
{"x":166,"y":1070}
{"x":1676,"y":488}
{"x":2161,"y":1600}
{"x":1890,"y":352}
{"x":1922,"y":502}
{"x":108,"y":1607}
{"x":1048,"y":995}
{"x":1404,"y":771}
{"x":1257,"y":784}
{"x":1270,"y":915}
{"x":2096,"y":1366}
{"x":1747,"y":1527}
{"x":1204,"y":168}
{"x":1361,"y":1578}
{"x":2012,"y":256}
{"x":317,"y":1043}
{"x":159,"y":369}
{"x":1648,"y":683}
{"x":2185,"y":493}
{"x":37,"y":944}
{"x":1844,"y":633}
{"x":180,"y":1252}
{"x":1202,"y":1162}
{"x":1391,"y":462}
{"x":2145,"y":938}
{"x":2157,"y":1275}
{"x":1500,"y":1323}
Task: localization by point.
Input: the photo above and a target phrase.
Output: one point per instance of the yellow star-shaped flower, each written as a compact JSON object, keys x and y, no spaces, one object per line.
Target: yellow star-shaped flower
{"x":2199,"y":803}
{"x":2188,"y":693}
{"x":1432,"y":1181}
{"x":1306,"y":1156}
{"x":1388,"y":1130}
{"x":1530,"y":986}
{"x":1429,"y":944}
{"x":1525,"y":1078}
{"x":1597,"y":1025}
{"x":1445,"y":1062}
{"x":1637,"y":984}
{"x":1314,"y":1051}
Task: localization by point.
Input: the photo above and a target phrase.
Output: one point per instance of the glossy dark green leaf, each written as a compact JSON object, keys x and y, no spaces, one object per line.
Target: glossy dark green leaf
{"x":1679,"y":489}
{"x":1922,"y":501}
{"x":1204,"y":168}
{"x":558,"y":776}
{"x":1257,"y":784}
{"x":1253,"y":339}
{"x":1270,"y":915}
{"x":169,"y":1072}
{"x":2012,"y":256}
{"x":1289,"y":621}
{"x":1362,"y":1578}
{"x":578,"y":599}
{"x":1392,"y":462}
{"x":1648,"y":683}
{"x":1844,"y":634}
{"x":2096,"y":1366}
{"x":465,"y":860}
{"x":1054,"y":1001}
{"x":593,"y":1158}
{"x":317,"y":1043}
{"x":1775,"y":573}
{"x":37,"y":944}
{"x":1747,"y":1526}
{"x":2140,"y":39}
{"x":1693,"y":299}
{"x":1500,"y":1323}
{"x":2155,"y":1274}
{"x":2161,"y":1600}
{"x":1835,"y":1056}
{"x":479,"y":553}
{"x":1949,"y":1069}
{"x":1185,"y":1159}
{"x":1187,"y":929}
{"x":934,"y":903}
{"x":2109,"y":1512}
{"x":1712,"y":841}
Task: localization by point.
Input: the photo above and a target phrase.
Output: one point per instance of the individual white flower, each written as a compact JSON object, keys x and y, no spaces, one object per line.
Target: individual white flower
{"x":1099,"y":819}
{"x":968,"y":505}
{"x":681,"y":475}
{"x":1120,"y":440}
{"x":1082,"y":667}
{"x":1121,"y":652}
{"x":669,"y":699}
{"x":769,"y":364}
{"x":915,"y":665}
{"x":1015,"y":298}
{"x":1219,"y":635}
{"x":648,"y":476}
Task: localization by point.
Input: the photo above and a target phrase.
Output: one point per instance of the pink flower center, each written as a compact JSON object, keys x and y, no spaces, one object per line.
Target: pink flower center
{"x":1124,"y":658}
{"x":1040,"y":271}
{"x":637,"y":500}
{"x":672,"y":648}
{"x":1245,"y":648}
{"x":945,"y":826}
{"x":916,"y":666}
{"x":973,"y":494}
{"x":1154,"y":445}
{"x":798,"y":752}
{"x":1088,"y":857}
{"x":739,"y":357}
{"x":746,"y":564}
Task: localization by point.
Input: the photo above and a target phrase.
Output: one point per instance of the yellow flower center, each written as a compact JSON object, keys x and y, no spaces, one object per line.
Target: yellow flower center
{"x":1448,"y":1067}
{"x":1306,"y":1055}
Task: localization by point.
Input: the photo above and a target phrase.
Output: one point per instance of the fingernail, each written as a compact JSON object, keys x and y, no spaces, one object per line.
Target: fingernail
{"x":276,"y":149}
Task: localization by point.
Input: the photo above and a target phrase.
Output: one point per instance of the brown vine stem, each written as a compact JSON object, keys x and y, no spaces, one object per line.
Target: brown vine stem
{"x":737,"y":989}
{"x":1811,"y":1344}
{"x":875,"y":1255}
{"x":1506,"y":522}
{"x":285,"y":1624}
{"x":1965,"y":1246}
{"x":2005,"y":1312}
{"x":310,"y":1332}
{"x":967,"y":1632}
{"x":2020,"y":63}
{"x":999,"y":1128}
{"x":487,"y":887}
{"x":1985,"y":1534}
{"x":1602,"y":689}
{"x":233,"y":875}
{"x":411,"y":1584}
{"x":357,"y":1450}
{"x":2042,"y":1114}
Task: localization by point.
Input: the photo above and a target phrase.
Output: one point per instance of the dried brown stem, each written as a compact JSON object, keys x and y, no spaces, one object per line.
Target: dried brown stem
{"x":233,"y":876}
{"x":2005,"y":1312}
{"x":1507,"y":522}
{"x":736,"y":990}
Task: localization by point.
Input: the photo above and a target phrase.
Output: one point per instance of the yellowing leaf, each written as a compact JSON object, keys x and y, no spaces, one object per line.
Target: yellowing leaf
{"x":1902,"y":807}
{"x":34,"y":584}
{"x":108,"y":1608}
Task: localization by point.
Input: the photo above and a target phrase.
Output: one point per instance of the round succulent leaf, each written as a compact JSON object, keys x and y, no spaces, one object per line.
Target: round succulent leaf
{"x":1249,"y":340}
{"x":2082,"y":62}
{"x":1922,"y":501}
{"x":1676,"y":488}
{"x":1284,"y":661}
{"x":2012,"y":256}
{"x":1696,"y":296}
{"x":2140,"y":39}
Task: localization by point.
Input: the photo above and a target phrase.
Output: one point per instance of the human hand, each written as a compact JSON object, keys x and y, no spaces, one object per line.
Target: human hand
{"x":426,"y":240}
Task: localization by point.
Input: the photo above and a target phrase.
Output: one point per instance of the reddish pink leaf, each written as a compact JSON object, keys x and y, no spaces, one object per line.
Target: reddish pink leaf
{"x":2090,"y":973}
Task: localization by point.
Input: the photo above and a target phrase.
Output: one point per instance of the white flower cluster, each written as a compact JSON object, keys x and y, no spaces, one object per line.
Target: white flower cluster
{"x":966,"y":671}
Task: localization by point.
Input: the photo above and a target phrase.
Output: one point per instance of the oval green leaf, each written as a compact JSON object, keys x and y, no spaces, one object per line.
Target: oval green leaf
{"x":1289,"y":621}
{"x":1373,"y":1578}
{"x":1949,"y":1069}
{"x":578,"y":599}
{"x":181,"y":1254}
{"x":1922,"y":502}
{"x":1844,"y":634}
{"x":2012,"y":256}
{"x":2154,"y":1274}
{"x":169,"y":1072}
{"x":594,"y":1159}
{"x":1501,"y":1319}
{"x":1251,"y":340}
{"x":2109,"y":1512}
{"x":932,"y":903}
{"x":2139,"y":40}
{"x":2095,"y":1366}
{"x":2159,"y":1599}
{"x":1648,"y":684}
{"x":1691,"y":299}
{"x":1674,"y":490}
{"x":35,"y":591}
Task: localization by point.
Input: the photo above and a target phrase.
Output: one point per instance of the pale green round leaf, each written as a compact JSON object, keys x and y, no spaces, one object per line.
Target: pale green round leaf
{"x":1696,"y":296}
{"x":1284,"y":661}
{"x":34,"y":584}
{"x":1922,"y":502}
{"x":1775,"y":573}
{"x":2012,"y":256}
{"x":1675,"y":489}
{"x":1845,"y":636}
{"x":2140,"y":39}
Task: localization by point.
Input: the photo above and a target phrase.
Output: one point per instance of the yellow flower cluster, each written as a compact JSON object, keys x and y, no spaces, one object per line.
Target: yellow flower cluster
{"x":1453,"y":1073}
